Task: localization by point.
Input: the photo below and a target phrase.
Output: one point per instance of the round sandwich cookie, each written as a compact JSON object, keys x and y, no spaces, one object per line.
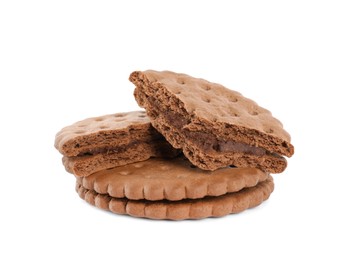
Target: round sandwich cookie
{"x":175,"y":189}
{"x":108,"y":141}
{"x":213,"y":125}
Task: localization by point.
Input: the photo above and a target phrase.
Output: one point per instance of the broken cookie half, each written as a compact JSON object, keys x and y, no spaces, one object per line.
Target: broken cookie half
{"x":213,"y":125}
{"x":109,"y":141}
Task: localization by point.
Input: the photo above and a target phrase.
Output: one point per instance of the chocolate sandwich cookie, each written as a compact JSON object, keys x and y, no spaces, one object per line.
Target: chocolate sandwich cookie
{"x":109,"y":141}
{"x":214,"y":126}
{"x":174,"y":189}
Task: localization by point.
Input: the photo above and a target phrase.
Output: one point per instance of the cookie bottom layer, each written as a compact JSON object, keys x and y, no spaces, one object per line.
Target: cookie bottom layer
{"x":82,"y":166}
{"x":268,"y":162}
{"x":209,"y":159}
{"x":184,"y":209}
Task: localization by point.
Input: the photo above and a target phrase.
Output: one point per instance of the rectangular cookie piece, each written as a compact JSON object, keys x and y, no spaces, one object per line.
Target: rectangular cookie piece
{"x":109,"y":141}
{"x":215,"y":126}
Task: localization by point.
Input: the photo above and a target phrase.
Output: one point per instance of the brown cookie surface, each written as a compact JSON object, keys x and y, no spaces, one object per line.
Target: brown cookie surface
{"x":170,"y":179}
{"x":109,"y":141}
{"x":183,"y":209}
{"x":88,"y":164}
{"x":214,"y":126}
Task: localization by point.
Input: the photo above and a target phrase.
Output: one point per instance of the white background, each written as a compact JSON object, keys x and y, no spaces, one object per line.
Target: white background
{"x":63,"y":61}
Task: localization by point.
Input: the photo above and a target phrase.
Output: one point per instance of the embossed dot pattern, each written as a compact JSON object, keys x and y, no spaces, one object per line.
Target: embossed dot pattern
{"x":171,"y":179}
{"x":138,"y":165}
{"x":124,"y":173}
{"x":218,"y":100}
{"x":96,"y":124}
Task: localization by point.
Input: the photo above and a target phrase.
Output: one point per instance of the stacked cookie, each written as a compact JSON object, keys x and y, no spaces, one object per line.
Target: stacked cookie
{"x":200,"y":150}
{"x":110,"y":141}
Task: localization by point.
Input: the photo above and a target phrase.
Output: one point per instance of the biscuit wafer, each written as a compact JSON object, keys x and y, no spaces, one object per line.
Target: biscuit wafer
{"x":88,"y":164}
{"x":183,"y":209}
{"x":109,"y":141}
{"x":214,"y":126}
{"x":170,"y":179}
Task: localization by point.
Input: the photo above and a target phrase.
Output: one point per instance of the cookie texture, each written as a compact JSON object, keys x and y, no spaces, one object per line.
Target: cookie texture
{"x":183,"y":209}
{"x":170,"y":179}
{"x":141,"y":151}
{"x":109,"y":141}
{"x":214,"y":126}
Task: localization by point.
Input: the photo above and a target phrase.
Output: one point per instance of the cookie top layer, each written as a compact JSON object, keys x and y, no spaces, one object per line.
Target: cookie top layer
{"x":170,"y":179}
{"x":215,"y":102}
{"x":71,"y":139}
